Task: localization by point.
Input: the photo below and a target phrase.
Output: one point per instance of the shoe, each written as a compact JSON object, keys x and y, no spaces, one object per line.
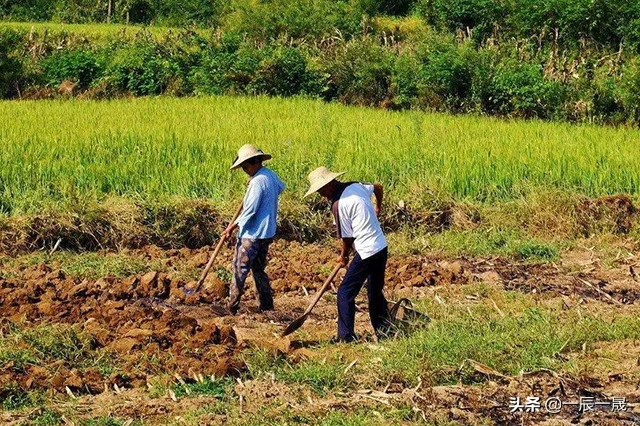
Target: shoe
{"x":349,"y":339}
{"x":233,"y":310}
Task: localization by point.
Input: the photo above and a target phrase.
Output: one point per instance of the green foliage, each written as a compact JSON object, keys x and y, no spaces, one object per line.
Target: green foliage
{"x":47,"y":418}
{"x":520,"y":90}
{"x":81,"y":66}
{"x":218,"y":388}
{"x":283,"y":73}
{"x":13,"y":397}
{"x":480,"y":17}
{"x":177,"y":13}
{"x":79,"y":11}
{"x":525,"y":339}
{"x":11,"y":69}
{"x":282,"y":19}
{"x":27,"y":10}
{"x":360,"y":73}
{"x":142,"y":68}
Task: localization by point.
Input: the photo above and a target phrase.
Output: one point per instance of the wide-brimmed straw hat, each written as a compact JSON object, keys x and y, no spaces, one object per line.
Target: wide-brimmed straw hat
{"x":246,"y":152}
{"x":319,"y":178}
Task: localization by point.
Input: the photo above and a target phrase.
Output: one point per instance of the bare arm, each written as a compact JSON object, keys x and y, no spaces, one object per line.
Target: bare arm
{"x":347,"y":243}
{"x":378,"y":191}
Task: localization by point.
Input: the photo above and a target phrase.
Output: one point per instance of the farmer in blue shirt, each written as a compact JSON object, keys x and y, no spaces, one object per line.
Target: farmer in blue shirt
{"x":257,"y":227}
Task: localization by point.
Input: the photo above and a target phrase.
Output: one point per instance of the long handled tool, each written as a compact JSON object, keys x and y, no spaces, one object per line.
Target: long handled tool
{"x":297,"y":323}
{"x":191,"y":291}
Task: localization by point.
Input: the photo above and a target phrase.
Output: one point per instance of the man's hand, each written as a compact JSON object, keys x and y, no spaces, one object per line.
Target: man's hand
{"x":343,"y":260}
{"x":228,"y":233}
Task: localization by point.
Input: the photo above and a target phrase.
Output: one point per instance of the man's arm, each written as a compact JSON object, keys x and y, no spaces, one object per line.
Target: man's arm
{"x":347,"y":243}
{"x":378,"y":192}
{"x":250,"y":208}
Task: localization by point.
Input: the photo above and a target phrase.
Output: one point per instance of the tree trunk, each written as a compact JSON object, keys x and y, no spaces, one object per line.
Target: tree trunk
{"x":109,"y":10}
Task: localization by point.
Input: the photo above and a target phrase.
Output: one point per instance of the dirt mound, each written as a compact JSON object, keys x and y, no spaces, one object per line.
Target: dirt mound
{"x":610,"y":214}
{"x":114,"y":224}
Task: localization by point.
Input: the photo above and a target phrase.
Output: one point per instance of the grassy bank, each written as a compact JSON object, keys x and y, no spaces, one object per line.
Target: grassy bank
{"x":131,"y":172}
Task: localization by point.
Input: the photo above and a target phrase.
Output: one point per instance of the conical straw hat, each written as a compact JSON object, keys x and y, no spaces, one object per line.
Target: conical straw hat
{"x":246,"y":152}
{"x":319,"y":178}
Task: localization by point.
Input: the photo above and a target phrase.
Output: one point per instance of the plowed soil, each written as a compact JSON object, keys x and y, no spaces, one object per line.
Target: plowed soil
{"x":147,"y":321}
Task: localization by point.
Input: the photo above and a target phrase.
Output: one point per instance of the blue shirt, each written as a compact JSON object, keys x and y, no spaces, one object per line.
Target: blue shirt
{"x":260,"y":206}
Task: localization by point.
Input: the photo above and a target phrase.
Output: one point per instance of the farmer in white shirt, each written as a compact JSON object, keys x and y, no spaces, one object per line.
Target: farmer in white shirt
{"x":257,"y":224}
{"x":358,"y":228}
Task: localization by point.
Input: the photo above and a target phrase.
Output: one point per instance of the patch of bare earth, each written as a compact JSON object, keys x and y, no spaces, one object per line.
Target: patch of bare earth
{"x":152,"y":328}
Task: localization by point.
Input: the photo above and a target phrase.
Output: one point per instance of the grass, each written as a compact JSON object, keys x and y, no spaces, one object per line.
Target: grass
{"x":322,"y":376}
{"x":22,"y":345}
{"x":46,"y":418}
{"x":157,"y":172}
{"x":91,"y":265}
{"x":91,"y":31}
{"x":208,"y":387}
{"x":157,"y":147}
{"x":528,"y":337}
{"x":480,"y":242}
{"x":15,"y":398}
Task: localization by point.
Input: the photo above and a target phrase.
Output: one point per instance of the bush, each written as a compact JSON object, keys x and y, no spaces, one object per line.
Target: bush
{"x":27,"y":10}
{"x":387,"y":7}
{"x":519,"y":89}
{"x":176,"y":13}
{"x":601,"y":21}
{"x":282,"y":73}
{"x":448,"y":77}
{"x":297,"y":19}
{"x":631,"y":92}
{"x":81,"y":66}
{"x":141,"y":68}
{"x":79,"y":11}
{"x":360,"y":73}
{"x":479,"y":16}
{"x":11,"y":69}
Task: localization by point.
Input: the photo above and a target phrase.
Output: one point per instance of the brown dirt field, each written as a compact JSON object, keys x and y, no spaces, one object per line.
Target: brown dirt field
{"x":147,"y":317}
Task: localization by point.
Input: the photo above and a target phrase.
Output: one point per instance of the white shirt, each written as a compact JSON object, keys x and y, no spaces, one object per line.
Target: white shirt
{"x":355,"y":218}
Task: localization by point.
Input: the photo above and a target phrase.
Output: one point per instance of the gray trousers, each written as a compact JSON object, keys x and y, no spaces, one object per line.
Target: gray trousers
{"x":251,"y":255}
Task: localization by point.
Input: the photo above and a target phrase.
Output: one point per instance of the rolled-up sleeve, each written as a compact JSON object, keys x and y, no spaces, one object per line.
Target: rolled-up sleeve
{"x":251,"y":203}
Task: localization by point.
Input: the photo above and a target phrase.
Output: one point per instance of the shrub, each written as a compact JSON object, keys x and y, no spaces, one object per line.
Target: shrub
{"x":479,"y":16}
{"x":11,"y":69}
{"x":79,"y":11}
{"x":360,"y":73}
{"x":27,"y":10}
{"x":81,"y":66}
{"x":520,"y":90}
{"x":141,"y":68}
{"x":270,"y":20}
{"x":282,"y":73}
{"x":448,"y":77}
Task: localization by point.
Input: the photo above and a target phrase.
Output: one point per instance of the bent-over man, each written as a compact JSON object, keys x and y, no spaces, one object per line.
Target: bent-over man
{"x":358,"y":228}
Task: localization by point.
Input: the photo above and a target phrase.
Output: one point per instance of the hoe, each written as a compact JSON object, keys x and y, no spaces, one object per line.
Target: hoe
{"x":190,"y":291}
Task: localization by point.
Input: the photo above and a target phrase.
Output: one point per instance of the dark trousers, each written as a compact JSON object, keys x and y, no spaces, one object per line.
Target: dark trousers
{"x":251,"y":255}
{"x":372,"y":270}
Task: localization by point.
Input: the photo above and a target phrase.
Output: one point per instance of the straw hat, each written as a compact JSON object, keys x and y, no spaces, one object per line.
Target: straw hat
{"x":246,"y":152}
{"x":319,"y":178}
